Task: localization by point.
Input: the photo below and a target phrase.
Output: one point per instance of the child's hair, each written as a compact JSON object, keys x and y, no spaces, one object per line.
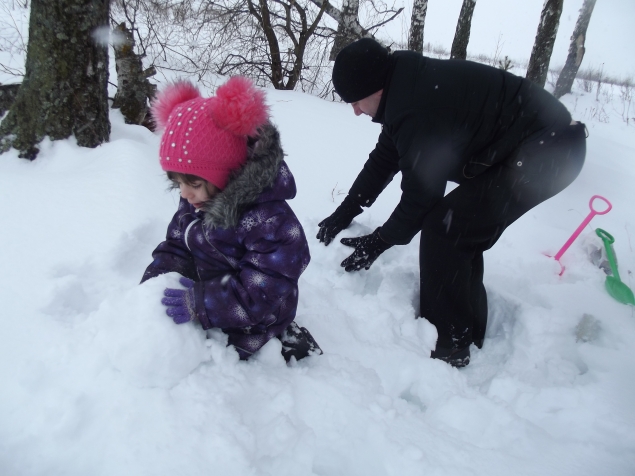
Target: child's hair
{"x":187,"y":179}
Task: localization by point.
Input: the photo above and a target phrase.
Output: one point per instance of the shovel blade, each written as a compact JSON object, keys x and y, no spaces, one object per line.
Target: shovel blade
{"x":619,"y":291}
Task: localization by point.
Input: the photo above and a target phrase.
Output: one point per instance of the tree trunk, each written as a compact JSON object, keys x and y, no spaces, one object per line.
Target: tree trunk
{"x":345,"y":28}
{"x":64,"y":91}
{"x":545,"y":38}
{"x":356,"y":30}
{"x":8,"y":93}
{"x":283,"y":21}
{"x":133,"y":88}
{"x":576,"y":50}
{"x":263,"y":16}
{"x":417,"y":22}
{"x":462,"y":35}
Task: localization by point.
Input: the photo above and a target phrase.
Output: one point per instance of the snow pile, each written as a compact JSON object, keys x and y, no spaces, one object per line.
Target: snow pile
{"x":148,"y":349}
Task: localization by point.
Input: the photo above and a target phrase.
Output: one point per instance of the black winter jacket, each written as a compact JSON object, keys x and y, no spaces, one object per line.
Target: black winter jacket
{"x":447,"y":120}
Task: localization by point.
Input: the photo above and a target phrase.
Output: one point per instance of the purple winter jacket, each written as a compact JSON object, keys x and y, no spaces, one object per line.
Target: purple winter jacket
{"x":245,"y":249}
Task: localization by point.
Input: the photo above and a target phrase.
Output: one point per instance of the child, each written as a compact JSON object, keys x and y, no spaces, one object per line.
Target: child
{"x":234,"y":238}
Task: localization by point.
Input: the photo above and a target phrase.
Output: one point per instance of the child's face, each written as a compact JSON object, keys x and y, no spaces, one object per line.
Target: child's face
{"x":197,"y":192}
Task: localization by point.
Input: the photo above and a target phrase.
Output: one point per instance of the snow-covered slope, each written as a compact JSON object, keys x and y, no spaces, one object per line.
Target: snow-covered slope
{"x":96,"y":379}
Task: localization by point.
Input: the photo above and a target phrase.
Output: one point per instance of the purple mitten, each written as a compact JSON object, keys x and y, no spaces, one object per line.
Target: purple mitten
{"x":180,"y":302}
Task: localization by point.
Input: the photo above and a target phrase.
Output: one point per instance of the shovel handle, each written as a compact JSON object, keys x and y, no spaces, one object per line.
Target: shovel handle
{"x":605,"y":235}
{"x":608,"y":240}
{"x":586,"y":221}
{"x":600,"y":212}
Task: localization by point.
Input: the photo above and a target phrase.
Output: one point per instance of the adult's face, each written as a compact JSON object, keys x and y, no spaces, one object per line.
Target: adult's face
{"x":368,"y":105}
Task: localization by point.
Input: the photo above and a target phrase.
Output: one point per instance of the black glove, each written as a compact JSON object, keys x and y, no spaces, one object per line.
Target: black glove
{"x":340,"y":219}
{"x":367,"y":250}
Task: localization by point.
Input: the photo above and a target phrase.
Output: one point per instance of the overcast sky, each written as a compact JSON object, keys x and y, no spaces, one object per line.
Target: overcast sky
{"x":611,"y":32}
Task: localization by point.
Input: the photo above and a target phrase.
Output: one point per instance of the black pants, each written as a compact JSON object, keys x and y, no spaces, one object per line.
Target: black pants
{"x":471,"y":218}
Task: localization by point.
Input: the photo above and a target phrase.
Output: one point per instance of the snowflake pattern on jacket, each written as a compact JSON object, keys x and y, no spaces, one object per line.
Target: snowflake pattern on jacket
{"x":245,"y":249}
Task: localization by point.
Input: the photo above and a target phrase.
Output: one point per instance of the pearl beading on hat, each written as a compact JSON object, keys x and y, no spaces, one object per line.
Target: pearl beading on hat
{"x":187,"y":133}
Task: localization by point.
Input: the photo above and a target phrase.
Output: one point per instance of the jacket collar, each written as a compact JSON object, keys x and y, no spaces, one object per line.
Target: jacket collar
{"x":264,"y":156}
{"x":381,"y":110}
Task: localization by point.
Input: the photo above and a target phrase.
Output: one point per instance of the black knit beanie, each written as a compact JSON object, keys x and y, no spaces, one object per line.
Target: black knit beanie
{"x":360,"y":69}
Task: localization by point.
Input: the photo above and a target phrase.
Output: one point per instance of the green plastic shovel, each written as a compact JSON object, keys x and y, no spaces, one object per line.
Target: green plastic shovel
{"x":615,"y":287}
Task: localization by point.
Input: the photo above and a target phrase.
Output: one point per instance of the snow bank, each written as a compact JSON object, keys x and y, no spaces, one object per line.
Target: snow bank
{"x":96,"y":379}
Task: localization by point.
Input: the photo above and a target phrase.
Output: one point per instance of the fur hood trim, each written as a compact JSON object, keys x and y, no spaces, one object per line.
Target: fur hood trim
{"x":264,"y":156}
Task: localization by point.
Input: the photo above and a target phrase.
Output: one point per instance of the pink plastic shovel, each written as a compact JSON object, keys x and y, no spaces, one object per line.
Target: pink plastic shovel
{"x":577,"y":232}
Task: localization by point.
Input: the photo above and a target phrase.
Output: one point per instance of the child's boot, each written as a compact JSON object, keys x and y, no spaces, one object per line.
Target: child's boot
{"x":298,"y":342}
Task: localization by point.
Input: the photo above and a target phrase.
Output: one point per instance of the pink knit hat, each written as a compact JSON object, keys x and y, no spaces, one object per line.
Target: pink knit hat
{"x":207,"y":137}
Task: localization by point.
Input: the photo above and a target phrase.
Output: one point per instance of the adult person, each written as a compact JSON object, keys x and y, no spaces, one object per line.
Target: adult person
{"x":508,"y":143}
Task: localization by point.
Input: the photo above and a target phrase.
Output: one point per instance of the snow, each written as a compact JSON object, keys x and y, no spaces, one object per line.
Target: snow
{"x":96,"y":379}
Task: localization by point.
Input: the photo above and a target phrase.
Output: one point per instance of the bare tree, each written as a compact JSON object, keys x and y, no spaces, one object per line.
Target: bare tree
{"x":417,"y":22}
{"x":64,"y":91}
{"x":171,"y":36}
{"x":349,"y":27}
{"x":292,"y":20}
{"x":576,"y":50}
{"x":463,"y":26}
{"x":267,"y":40}
{"x":543,"y":45}
{"x":346,"y":27}
{"x":134,"y":91}
{"x":14,"y":20}
{"x":284,"y":43}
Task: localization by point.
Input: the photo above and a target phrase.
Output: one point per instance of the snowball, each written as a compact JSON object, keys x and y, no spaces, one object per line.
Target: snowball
{"x":142,"y":342}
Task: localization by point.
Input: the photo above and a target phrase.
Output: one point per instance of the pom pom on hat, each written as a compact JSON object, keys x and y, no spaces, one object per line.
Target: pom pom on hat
{"x":169,"y":98}
{"x":207,"y":137}
{"x":239,"y":107}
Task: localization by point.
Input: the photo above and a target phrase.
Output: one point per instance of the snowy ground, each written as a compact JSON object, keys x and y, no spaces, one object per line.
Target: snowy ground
{"x":97,"y":380}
